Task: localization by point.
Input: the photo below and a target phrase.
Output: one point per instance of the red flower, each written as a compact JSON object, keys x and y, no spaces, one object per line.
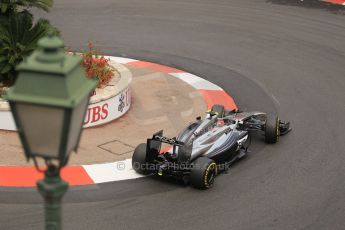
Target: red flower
{"x":89,"y":72}
{"x":96,"y":65}
{"x":90,"y":45}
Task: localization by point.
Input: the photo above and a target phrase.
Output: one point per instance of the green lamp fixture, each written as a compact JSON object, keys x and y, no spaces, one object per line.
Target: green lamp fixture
{"x":49,"y":102}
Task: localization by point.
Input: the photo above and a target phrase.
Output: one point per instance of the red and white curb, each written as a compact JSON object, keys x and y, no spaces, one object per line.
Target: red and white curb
{"x":340,"y":2}
{"x":18,"y":176}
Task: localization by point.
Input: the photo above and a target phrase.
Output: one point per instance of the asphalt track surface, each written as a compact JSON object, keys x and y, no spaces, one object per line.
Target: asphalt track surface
{"x":285,"y":58}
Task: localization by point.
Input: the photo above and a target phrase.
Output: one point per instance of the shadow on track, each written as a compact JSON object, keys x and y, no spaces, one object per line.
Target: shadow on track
{"x":312,"y":4}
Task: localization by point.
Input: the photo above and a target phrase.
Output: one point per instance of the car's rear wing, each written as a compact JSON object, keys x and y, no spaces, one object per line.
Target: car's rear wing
{"x":167,"y":140}
{"x":154,"y":146}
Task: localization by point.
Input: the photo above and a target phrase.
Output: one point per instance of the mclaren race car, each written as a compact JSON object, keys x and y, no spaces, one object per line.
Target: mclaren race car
{"x":206,"y":146}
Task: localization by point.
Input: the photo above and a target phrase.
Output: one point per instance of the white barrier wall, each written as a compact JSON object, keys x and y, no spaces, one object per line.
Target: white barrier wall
{"x":97,"y":114}
{"x":6,"y":120}
{"x":107,"y":105}
{"x":105,"y":111}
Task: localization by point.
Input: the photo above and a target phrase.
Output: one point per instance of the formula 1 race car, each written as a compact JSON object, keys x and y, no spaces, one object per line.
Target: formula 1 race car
{"x":206,"y":146}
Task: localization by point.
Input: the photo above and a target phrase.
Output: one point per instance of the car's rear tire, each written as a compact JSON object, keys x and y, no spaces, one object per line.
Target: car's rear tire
{"x":139,"y":162}
{"x":219,"y":109}
{"x":271,"y":129}
{"x":203,"y":173}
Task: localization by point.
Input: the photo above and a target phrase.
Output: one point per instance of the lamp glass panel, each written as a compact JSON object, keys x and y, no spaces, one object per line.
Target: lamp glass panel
{"x":77,"y":119}
{"x":42,"y":127}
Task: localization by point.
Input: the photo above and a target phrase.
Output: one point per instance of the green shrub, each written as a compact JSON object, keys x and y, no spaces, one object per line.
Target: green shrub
{"x":19,"y":34}
{"x":14,"y":5}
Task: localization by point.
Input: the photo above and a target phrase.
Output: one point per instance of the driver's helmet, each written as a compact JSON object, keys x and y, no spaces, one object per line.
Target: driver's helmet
{"x":220,"y":123}
{"x":208,"y":112}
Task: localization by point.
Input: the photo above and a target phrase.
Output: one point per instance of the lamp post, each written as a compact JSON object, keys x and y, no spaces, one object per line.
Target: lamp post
{"x":48,"y":102}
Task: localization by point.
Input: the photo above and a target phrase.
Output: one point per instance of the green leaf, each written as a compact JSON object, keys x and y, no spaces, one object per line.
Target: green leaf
{"x":6,"y":69}
{"x":18,"y":39}
{"x":10,"y":5}
{"x":3,"y":7}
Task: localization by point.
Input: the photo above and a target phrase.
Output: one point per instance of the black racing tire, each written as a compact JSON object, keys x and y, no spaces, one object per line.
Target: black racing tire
{"x":271,"y":129}
{"x":203,"y":173}
{"x":139,"y":162}
{"x":219,"y":109}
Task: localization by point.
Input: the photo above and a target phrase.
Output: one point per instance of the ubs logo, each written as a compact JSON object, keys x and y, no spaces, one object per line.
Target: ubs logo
{"x":122,"y":103}
{"x":124,"y":100}
{"x":96,"y":113}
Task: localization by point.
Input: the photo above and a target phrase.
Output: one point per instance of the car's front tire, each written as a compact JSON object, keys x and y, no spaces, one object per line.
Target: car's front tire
{"x":203,"y":173}
{"x":271,"y":129}
{"x":139,"y":161}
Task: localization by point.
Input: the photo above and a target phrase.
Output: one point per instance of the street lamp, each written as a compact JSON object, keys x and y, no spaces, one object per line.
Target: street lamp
{"x":49,"y":102}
